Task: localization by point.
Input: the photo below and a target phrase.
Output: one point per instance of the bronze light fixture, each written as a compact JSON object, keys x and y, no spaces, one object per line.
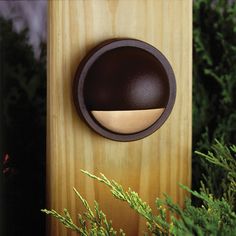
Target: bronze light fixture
{"x":124,"y":89}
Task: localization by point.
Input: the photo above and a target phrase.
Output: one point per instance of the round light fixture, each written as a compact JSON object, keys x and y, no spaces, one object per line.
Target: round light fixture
{"x":124,"y":89}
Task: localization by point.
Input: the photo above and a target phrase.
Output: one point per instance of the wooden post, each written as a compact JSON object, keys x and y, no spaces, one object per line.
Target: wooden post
{"x":151,"y":166}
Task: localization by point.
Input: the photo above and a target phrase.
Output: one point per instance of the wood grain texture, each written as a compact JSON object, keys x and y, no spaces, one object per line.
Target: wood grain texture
{"x":151,"y":166}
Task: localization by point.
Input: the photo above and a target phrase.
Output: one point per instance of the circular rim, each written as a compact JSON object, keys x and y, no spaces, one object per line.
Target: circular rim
{"x":81,"y":73}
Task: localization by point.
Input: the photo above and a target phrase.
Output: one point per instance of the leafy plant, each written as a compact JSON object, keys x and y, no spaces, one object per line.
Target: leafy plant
{"x":214,"y":69}
{"x":214,"y":85}
{"x":92,"y":222}
{"x":215,"y":216}
{"x":223,"y":158}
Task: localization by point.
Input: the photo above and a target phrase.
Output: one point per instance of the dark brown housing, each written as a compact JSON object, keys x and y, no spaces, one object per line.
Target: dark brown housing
{"x":124,"y":75}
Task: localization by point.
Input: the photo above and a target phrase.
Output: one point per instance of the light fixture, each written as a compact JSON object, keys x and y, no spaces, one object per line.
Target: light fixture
{"x":124,"y":89}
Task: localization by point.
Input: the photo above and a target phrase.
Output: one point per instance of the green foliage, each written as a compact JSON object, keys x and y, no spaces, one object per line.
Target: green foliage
{"x":215,"y":216}
{"x":23,"y":77}
{"x":214,"y":97}
{"x":92,"y":222}
{"x":224,"y":158}
{"x":155,"y":223}
{"x":214,"y":86}
{"x":64,"y":219}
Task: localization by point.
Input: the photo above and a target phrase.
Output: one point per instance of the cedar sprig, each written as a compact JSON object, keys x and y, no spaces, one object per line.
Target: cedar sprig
{"x":90,"y":223}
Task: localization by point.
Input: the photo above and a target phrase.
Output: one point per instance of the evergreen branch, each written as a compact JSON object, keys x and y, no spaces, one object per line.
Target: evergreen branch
{"x":131,"y":197}
{"x":213,"y":217}
{"x":64,"y":219}
{"x":90,"y":214}
{"x":223,"y":157}
{"x":135,"y":202}
{"x":96,"y":220}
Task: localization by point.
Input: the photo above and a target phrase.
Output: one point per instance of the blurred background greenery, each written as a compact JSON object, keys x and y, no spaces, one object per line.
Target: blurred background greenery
{"x":23,"y":108}
{"x":214,"y":86}
{"x":23,"y":133}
